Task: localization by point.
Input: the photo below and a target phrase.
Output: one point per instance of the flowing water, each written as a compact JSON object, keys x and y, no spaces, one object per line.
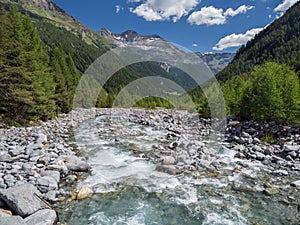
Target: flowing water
{"x":129,"y":190}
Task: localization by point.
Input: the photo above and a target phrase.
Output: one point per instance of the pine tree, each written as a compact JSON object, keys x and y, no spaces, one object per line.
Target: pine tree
{"x":58,"y":66}
{"x":27,"y":86}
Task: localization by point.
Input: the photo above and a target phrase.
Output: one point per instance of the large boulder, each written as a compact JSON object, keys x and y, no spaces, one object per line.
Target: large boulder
{"x":77,"y":164}
{"x":12,"y":220}
{"x":42,"y":217}
{"x":22,"y":199}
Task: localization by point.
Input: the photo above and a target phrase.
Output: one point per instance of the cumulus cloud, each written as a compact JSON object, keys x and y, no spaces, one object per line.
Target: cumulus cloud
{"x":207,"y":15}
{"x":195,"y":45}
{"x":160,"y":10}
{"x":285,"y":5}
{"x":236,"y":40}
{"x":215,"y":16}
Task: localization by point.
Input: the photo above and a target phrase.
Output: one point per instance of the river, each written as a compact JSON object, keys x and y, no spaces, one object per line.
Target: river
{"x":131,"y":189}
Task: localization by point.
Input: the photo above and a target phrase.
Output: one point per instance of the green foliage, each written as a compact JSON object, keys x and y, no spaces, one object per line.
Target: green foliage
{"x":33,"y":85}
{"x":233,"y":89}
{"x":82,"y":53}
{"x":271,"y":92}
{"x":153,"y":103}
{"x":26,"y":83}
{"x":269,"y":138}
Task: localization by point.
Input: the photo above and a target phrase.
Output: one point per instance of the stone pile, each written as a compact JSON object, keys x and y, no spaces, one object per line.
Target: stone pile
{"x":271,"y":143}
{"x":33,"y":160}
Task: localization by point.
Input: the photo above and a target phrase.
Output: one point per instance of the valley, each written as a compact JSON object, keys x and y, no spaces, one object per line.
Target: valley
{"x":98,"y":127}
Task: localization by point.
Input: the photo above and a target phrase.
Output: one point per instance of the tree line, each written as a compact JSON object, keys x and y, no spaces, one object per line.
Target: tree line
{"x":34,"y":84}
{"x":38,"y":80}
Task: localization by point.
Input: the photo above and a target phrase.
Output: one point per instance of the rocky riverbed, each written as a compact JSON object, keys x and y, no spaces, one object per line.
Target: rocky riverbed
{"x":37,"y":163}
{"x":34,"y":163}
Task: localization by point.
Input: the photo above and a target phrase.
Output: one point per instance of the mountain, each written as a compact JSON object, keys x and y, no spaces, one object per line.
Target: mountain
{"x":127,"y":37}
{"x":279,"y":42}
{"x":39,"y":4}
{"x":216,"y":62}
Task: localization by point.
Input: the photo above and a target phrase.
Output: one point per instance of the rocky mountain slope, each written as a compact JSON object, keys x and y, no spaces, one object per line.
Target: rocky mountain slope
{"x":216,"y":62}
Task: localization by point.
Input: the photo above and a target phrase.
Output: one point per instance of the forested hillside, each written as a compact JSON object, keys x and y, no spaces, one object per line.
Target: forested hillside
{"x":279,"y":42}
{"x":33,"y":85}
{"x":262,"y":81}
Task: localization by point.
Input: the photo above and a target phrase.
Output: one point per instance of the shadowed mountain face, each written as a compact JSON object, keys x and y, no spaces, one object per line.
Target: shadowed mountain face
{"x":218,"y":61}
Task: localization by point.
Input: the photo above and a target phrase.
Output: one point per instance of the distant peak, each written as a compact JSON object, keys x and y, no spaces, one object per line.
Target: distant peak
{"x":132,"y":35}
{"x":127,"y":36}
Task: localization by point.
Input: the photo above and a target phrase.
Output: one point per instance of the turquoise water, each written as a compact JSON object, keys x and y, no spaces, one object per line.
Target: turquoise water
{"x":128,"y":189}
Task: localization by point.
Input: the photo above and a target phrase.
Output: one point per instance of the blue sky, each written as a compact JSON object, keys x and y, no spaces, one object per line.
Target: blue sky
{"x":198,"y":25}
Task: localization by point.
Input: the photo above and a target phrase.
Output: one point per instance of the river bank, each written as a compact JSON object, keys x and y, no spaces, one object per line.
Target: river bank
{"x":35,"y":163}
{"x":175,"y":142}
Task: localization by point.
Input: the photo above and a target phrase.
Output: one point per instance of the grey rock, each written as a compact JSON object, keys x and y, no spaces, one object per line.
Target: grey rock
{"x":46,"y":184}
{"x":41,"y":139}
{"x":50,"y":173}
{"x":290,"y":148}
{"x":30,"y":148}
{"x":76,"y":164}
{"x":12,"y":220}
{"x":281,"y":172}
{"x":170,"y":169}
{"x":16,"y":151}
{"x":2,"y":214}
{"x":22,"y":199}
{"x":240,"y":155}
{"x":293,"y":154}
{"x":260,"y":156}
{"x":50,"y":196}
{"x":256,"y":148}
{"x":60,"y":167}
{"x":169,"y":160}
{"x":5,"y":157}
{"x":43,"y":160}
{"x":239,"y":148}
{"x":289,"y":158}
{"x":37,"y":153}
{"x":296,"y":184}
{"x":42,"y":217}
{"x":256,"y":141}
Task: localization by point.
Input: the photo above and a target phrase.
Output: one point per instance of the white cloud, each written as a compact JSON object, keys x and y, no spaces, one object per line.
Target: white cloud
{"x":236,"y":40}
{"x":207,"y":15}
{"x":118,"y":8}
{"x":285,"y":5}
{"x":195,"y":45}
{"x":159,"y":10}
{"x":240,"y":10}
{"x":215,"y":16}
